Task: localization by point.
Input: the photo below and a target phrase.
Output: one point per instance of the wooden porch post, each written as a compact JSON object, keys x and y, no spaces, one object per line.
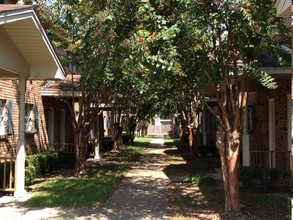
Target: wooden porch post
{"x":20,"y":157}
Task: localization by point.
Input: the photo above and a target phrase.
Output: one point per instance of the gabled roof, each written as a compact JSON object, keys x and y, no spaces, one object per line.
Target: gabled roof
{"x":284,"y":8}
{"x":21,"y":28}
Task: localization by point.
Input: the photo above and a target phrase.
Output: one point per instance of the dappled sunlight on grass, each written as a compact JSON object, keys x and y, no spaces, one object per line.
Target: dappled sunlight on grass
{"x":142,"y":141}
{"x":68,"y":192}
{"x":92,"y":190}
{"x":169,"y":142}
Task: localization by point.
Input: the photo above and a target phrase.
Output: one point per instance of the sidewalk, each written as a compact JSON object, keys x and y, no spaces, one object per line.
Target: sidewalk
{"x":142,"y":195}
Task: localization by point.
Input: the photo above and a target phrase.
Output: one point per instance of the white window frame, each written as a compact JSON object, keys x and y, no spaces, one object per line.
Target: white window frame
{"x":29,"y":118}
{"x":3,"y":117}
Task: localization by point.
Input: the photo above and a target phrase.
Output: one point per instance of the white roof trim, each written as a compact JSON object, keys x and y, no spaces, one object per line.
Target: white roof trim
{"x":15,"y":15}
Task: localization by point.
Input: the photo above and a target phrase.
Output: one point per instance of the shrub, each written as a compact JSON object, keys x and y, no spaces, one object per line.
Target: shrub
{"x":289,"y":216}
{"x":66,"y":159}
{"x":43,"y":162}
{"x":206,"y":150}
{"x":251,"y":176}
{"x":125,"y":139}
{"x":106,"y":144}
{"x":200,"y":179}
{"x":30,"y":175}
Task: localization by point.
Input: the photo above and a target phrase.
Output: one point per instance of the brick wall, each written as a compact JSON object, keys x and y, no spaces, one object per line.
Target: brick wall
{"x":259,"y":137}
{"x":35,"y":142}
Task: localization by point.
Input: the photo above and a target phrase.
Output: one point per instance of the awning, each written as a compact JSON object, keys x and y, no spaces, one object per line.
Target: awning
{"x":24,"y":45}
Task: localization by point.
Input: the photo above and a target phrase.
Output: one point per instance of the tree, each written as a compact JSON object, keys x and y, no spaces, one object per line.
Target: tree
{"x":140,"y":48}
{"x":228,"y":37}
{"x":94,"y":36}
{"x":215,"y":43}
{"x":80,"y":30}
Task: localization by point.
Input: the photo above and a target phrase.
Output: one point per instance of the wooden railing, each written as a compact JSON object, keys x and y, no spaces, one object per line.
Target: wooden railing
{"x":7,"y":175}
{"x":66,"y":147}
{"x":276,"y":159}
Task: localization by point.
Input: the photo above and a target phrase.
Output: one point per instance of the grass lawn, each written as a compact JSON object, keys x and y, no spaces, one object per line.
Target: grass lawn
{"x":92,"y":190}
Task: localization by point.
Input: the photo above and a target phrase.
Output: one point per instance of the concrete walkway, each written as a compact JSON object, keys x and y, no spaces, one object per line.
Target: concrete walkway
{"x":142,"y":195}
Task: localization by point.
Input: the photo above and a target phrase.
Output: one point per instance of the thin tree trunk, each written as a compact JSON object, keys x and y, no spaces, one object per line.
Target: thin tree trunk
{"x":80,"y":154}
{"x":190,"y":142}
{"x":194,"y":142}
{"x":228,"y":145}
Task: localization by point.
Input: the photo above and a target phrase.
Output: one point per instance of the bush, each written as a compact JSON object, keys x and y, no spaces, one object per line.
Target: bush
{"x":106,"y":144}
{"x":125,"y":139}
{"x":66,"y":159}
{"x":251,"y":176}
{"x":43,"y":162}
{"x":30,"y":175}
{"x":206,"y":150}
{"x":289,"y":216}
{"x":39,"y":164}
{"x":201,"y":179}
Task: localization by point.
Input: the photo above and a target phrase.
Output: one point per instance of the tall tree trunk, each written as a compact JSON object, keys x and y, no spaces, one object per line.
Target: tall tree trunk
{"x":194,"y":142}
{"x":117,"y":137}
{"x":190,"y":142}
{"x":80,"y":152}
{"x":228,"y":145}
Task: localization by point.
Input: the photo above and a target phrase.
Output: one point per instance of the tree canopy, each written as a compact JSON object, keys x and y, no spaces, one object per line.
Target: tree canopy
{"x":158,"y":55}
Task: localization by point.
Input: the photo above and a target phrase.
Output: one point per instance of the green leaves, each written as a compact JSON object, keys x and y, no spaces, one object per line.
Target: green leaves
{"x":166,"y":50}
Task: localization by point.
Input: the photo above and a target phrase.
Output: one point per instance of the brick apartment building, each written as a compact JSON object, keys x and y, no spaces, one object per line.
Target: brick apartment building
{"x":26,"y":55}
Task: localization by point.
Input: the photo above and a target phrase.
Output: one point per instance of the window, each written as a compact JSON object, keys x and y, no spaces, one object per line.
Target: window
{"x":251,"y":117}
{"x":5,"y":117}
{"x":31,"y":118}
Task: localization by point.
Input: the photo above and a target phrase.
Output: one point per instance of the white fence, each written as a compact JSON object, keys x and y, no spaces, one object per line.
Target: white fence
{"x":159,"y":129}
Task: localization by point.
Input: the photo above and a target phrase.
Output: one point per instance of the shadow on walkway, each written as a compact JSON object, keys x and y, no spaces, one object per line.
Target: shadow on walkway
{"x":141,"y":195}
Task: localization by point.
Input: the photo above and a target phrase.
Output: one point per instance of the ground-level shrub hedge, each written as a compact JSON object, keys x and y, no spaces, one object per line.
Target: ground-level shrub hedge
{"x":46,"y":162}
{"x":251,"y":176}
{"x":107,"y":144}
{"x":43,"y":162}
{"x":208,"y":150}
{"x":66,"y":159}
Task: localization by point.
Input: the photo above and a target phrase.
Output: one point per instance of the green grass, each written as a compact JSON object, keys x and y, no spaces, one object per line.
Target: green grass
{"x":71,"y":192}
{"x":93,"y":190}
{"x":130,"y":154}
{"x":171,"y":142}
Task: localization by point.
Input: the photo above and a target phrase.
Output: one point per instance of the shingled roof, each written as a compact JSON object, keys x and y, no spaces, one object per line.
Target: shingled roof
{"x":10,"y":7}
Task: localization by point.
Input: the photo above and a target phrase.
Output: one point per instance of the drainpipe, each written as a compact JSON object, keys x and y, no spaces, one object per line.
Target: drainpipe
{"x":20,"y":157}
